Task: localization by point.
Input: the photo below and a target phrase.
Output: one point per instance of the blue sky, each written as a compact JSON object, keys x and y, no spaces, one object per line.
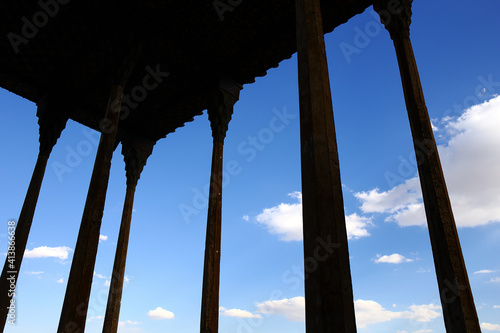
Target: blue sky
{"x":456,"y":47}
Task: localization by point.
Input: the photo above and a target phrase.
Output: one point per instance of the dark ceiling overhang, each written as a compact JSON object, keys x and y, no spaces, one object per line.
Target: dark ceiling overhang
{"x":61,"y":48}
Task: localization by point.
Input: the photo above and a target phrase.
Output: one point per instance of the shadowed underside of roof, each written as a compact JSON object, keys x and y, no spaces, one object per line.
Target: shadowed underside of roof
{"x":62,"y":49}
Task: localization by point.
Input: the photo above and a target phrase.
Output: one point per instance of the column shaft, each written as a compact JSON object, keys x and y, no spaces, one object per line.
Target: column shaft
{"x":21,"y":236}
{"x":220,"y":110}
{"x":116,"y":287}
{"x":51,"y":121}
{"x":135,"y":151}
{"x":328,"y":287}
{"x":74,"y":311}
{"x":211,"y":271}
{"x":456,"y":296}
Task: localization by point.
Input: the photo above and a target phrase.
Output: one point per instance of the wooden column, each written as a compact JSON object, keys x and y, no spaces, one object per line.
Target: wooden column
{"x":328,"y":287}
{"x":456,"y":297}
{"x":220,"y":110}
{"x":136,"y":152}
{"x":75,"y":306}
{"x":52,"y":120}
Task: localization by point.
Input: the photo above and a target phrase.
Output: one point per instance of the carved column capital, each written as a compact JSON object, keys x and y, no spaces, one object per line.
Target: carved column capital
{"x":395,"y":15}
{"x":220,"y":106}
{"x":52,"y":118}
{"x":136,"y":151}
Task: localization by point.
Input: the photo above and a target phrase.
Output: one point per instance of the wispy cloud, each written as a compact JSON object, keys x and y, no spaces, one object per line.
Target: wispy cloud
{"x":484,"y":271}
{"x":367,"y":312}
{"x":159,"y":313}
{"x":103,"y":238}
{"x":237,"y":313}
{"x":490,"y":327}
{"x":370,"y":312}
{"x":471,"y":147}
{"x":292,"y":309}
{"x":95,"y":319}
{"x":127,"y":323}
{"x":285,"y":220}
{"x":60,"y":252}
{"x":395,"y":258}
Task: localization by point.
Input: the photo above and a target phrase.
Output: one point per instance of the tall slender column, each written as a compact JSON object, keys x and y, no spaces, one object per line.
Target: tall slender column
{"x":52,"y":120}
{"x":328,"y":287}
{"x":456,"y":296}
{"x":220,"y":110}
{"x":75,"y":306}
{"x":136,"y":152}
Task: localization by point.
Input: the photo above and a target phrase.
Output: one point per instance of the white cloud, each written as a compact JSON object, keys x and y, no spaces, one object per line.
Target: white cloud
{"x":60,"y":252}
{"x":497,"y":279}
{"x":367,"y":311}
{"x":472,"y":149}
{"x":160,"y":313}
{"x":246,"y":217}
{"x":490,"y":327}
{"x":423,"y":331}
{"x":356,"y":226}
{"x":60,"y":280}
{"x":285,"y":220}
{"x":100,"y":276}
{"x":395,"y":258}
{"x":396,"y":199}
{"x":370,"y":312}
{"x":484,"y":271}
{"x":103,"y":238}
{"x":34,"y":273}
{"x":127,"y":322}
{"x":496,"y":306}
{"x":237,"y":313}
{"x":95,"y":319}
{"x":293,"y":309}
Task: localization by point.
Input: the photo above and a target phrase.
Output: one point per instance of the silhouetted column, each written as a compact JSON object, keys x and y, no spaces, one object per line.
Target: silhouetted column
{"x":328,"y":287}
{"x":456,"y":297}
{"x":136,"y":152}
{"x":220,"y":110}
{"x":52,"y":121}
{"x":74,"y":311}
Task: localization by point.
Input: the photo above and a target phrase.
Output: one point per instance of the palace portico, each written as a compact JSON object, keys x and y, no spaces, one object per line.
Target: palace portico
{"x":96,"y":62}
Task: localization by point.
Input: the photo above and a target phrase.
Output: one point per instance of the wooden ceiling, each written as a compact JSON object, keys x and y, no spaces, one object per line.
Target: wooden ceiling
{"x":61,"y":48}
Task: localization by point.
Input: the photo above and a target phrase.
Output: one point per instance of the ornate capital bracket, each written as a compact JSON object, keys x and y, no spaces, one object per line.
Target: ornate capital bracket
{"x":220,"y":106}
{"x":395,"y":15}
{"x":52,"y":117}
{"x":135,"y":151}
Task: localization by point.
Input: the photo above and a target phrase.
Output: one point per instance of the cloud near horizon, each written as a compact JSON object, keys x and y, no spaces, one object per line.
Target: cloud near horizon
{"x":367,"y":311}
{"x":470,"y":160}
